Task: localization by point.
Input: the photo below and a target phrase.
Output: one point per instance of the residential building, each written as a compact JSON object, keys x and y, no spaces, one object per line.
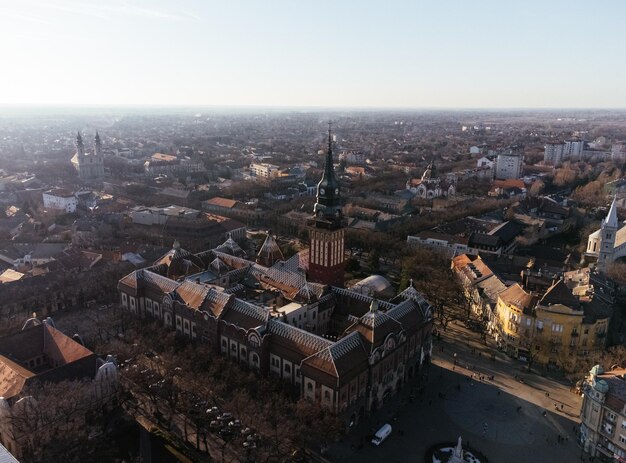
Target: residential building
{"x":603,"y":414}
{"x":509,"y":164}
{"x":41,"y":353}
{"x":552,"y":329}
{"x":234,"y":209}
{"x":264,"y":171}
{"x":618,"y":151}
{"x":480,"y":285}
{"x":556,"y":153}
{"x":59,"y":199}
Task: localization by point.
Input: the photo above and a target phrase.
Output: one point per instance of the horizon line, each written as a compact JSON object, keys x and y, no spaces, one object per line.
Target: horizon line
{"x":305,"y":107}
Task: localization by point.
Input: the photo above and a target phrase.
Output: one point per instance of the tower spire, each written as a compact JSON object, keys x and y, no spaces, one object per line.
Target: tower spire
{"x":611,"y":217}
{"x":98,"y":145}
{"x":330,"y":137}
{"x":80,"y":148}
{"x":328,"y":204}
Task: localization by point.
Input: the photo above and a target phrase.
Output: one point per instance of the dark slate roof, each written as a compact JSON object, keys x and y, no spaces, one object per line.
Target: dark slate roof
{"x":559,"y":293}
{"x":507,"y":231}
{"x":343,"y":360}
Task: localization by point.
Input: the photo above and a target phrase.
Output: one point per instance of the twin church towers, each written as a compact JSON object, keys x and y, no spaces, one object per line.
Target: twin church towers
{"x":90,"y":166}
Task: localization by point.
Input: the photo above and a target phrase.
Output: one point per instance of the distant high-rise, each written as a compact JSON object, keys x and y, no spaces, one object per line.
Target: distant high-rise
{"x":509,"y":164}
{"x":557,"y":152}
{"x":90,"y":166}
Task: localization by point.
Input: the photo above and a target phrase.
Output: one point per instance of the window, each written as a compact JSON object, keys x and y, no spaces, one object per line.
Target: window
{"x":287,"y":368}
{"x":556,"y":328}
{"x":622,"y":439}
{"x":326,"y":395}
{"x":224,"y":343}
{"x":275,"y":362}
{"x":309,"y":387}
{"x":539,"y":324}
{"x":255,"y":359}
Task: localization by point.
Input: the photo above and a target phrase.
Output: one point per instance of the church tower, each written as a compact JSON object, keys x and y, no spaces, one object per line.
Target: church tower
{"x":608,"y":230}
{"x":80,"y":148}
{"x":98,"y":145}
{"x":326,"y":250}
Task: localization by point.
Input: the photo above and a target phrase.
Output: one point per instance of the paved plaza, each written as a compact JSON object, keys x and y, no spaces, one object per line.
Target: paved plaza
{"x":510,"y":418}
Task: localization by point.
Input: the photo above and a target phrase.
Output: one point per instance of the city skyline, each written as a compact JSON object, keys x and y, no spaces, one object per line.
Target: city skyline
{"x":350,"y":55}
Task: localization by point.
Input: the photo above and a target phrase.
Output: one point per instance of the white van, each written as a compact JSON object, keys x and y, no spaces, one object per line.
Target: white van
{"x":381,"y":434}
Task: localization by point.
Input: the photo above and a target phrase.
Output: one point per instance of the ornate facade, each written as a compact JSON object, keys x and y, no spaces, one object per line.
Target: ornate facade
{"x":326,"y":253}
{"x":90,"y":166}
{"x":430,"y":186}
{"x":608,"y":243}
{"x":286,"y":318}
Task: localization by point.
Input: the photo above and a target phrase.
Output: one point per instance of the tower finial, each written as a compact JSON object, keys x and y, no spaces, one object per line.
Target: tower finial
{"x":330,"y":137}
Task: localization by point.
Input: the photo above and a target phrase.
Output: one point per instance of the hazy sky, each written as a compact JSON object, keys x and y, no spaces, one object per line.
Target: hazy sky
{"x":438,"y":53}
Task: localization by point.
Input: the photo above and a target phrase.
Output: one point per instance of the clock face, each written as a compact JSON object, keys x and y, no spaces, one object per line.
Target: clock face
{"x":336,"y":191}
{"x":322,"y":191}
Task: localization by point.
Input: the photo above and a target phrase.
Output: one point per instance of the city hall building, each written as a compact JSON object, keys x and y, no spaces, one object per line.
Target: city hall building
{"x":291,"y":318}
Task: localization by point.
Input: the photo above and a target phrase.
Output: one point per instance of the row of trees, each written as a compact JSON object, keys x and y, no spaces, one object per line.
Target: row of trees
{"x":178,"y":381}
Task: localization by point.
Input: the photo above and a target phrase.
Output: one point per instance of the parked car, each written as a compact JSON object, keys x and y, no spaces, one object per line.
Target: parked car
{"x":382,"y":434}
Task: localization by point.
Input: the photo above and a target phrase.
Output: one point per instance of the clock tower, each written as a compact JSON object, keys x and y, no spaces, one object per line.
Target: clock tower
{"x":326,"y":250}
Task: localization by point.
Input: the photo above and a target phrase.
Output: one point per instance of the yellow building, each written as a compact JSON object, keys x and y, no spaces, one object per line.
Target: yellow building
{"x":553,"y":330}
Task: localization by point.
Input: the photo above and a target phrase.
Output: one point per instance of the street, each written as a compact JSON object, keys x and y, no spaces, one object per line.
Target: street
{"x":515,"y":417}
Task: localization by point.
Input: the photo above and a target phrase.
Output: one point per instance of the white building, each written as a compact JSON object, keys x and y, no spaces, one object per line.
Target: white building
{"x":553,"y":153}
{"x":609,"y":242}
{"x":59,"y":199}
{"x":573,"y":149}
{"x":485,"y":162}
{"x":557,"y":152}
{"x":509,"y":165}
{"x":264,"y":170}
{"x":618,"y":151}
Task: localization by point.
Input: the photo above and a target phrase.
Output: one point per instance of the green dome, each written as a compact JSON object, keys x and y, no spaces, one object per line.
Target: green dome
{"x":601,"y":386}
{"x":596,"y":370}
